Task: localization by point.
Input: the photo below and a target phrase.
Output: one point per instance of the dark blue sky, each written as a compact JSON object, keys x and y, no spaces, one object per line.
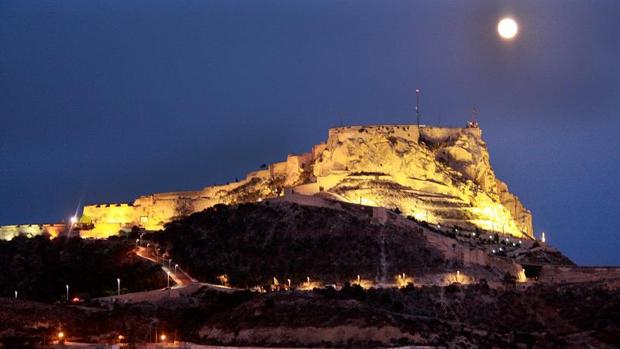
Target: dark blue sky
{"x":102,"y":101}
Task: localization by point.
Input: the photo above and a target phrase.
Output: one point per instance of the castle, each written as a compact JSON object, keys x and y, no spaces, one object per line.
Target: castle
{"x":435,"y":174}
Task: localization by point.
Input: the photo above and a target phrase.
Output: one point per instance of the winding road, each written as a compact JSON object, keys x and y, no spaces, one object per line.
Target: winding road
{"x":184,"y":284}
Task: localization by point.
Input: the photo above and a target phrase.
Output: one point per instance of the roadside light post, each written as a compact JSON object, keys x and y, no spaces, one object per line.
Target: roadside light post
{"x":169,"y":262}
{"x":118,"y":283}
{"x":67,"y":286}
{"x":176,"y":266}
{"x":168,"y":273}
{"x":15,"y":294}
{"x":137,"y":242}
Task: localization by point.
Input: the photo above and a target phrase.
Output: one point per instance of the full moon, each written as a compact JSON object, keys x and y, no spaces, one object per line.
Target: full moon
{"x":507,"y":28}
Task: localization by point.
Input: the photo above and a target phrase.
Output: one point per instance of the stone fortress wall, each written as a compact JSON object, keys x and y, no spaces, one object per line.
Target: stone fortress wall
{"x":441,"y":175}
{"x":8,"y":232}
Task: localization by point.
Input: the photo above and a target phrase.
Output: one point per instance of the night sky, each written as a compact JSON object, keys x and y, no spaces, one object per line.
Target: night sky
{"x":102,"y":101}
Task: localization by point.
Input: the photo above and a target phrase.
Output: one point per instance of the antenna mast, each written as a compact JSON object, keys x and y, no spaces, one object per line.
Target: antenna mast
{"x":417,"y":105}
{"x":473,"y":123}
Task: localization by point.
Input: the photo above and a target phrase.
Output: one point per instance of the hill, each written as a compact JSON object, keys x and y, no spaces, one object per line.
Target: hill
{"x":40,"y":267}
{"x":253,"y":243}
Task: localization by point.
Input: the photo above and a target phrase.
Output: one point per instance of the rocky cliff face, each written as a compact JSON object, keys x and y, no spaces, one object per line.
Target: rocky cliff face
{"x":438,"y":175}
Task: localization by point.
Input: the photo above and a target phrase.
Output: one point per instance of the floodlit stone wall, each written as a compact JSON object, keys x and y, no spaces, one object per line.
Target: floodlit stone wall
{"x":8,"y":232}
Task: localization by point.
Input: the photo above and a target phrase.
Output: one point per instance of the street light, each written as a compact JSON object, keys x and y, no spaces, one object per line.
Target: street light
{"x":15,"y":294}
{"x":73,"y":220}
{"x":118,"y":283}
{"x":61,"y":337}
{"x":176,"y":266}
{"x":168,"y":273}
{"x":67,"y":286}
{"x":162,"y":337}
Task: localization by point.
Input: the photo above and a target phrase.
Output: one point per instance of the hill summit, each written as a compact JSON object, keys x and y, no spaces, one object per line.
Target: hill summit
{"x":438,"y":175}
{"x":435,"y":174}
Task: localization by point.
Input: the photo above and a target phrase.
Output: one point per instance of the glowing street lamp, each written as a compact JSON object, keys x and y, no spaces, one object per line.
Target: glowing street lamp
{"x":67,"y":286}
{"x":16,"y":294}
{"x":162,"y":337}
{"x":73,"y":220}
{"x":176,"y":266}
{"x":61,"y":337}
{"x":118,"y":283}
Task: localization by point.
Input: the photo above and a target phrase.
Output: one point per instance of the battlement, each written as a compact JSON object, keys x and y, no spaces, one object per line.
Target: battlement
{"x":432,"y":134}
{"x":113,"y":205}
{"x":403,"y":130}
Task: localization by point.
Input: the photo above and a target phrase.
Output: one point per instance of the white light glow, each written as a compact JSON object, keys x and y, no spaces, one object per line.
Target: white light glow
{"x":507,"y":28}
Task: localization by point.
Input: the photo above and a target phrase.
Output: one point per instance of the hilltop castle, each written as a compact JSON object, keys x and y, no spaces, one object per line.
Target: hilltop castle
{"x":435,"y":174}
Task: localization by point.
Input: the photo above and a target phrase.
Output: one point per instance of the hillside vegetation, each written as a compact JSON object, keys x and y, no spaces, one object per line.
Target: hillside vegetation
{"x":572,"y":316}
{"x":39,"y":268}
{"x":252,"y":243}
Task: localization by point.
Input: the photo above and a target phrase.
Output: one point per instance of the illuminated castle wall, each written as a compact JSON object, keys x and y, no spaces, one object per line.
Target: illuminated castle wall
{"x":8,"y":232}
{"x":439,"y":175}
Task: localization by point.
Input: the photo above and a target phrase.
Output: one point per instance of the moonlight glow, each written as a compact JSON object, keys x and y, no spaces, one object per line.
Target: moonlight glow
{"x":507,"y":28}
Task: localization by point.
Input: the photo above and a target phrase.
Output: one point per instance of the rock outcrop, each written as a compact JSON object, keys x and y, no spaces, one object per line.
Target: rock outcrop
{"x":439,"y":175}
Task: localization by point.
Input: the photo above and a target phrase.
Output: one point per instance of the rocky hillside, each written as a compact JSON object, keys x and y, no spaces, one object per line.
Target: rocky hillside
{"x":439,"y":175}
{"x":571,"y":316}
{"x":253,"y":243}
{"x":466,"y":317}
